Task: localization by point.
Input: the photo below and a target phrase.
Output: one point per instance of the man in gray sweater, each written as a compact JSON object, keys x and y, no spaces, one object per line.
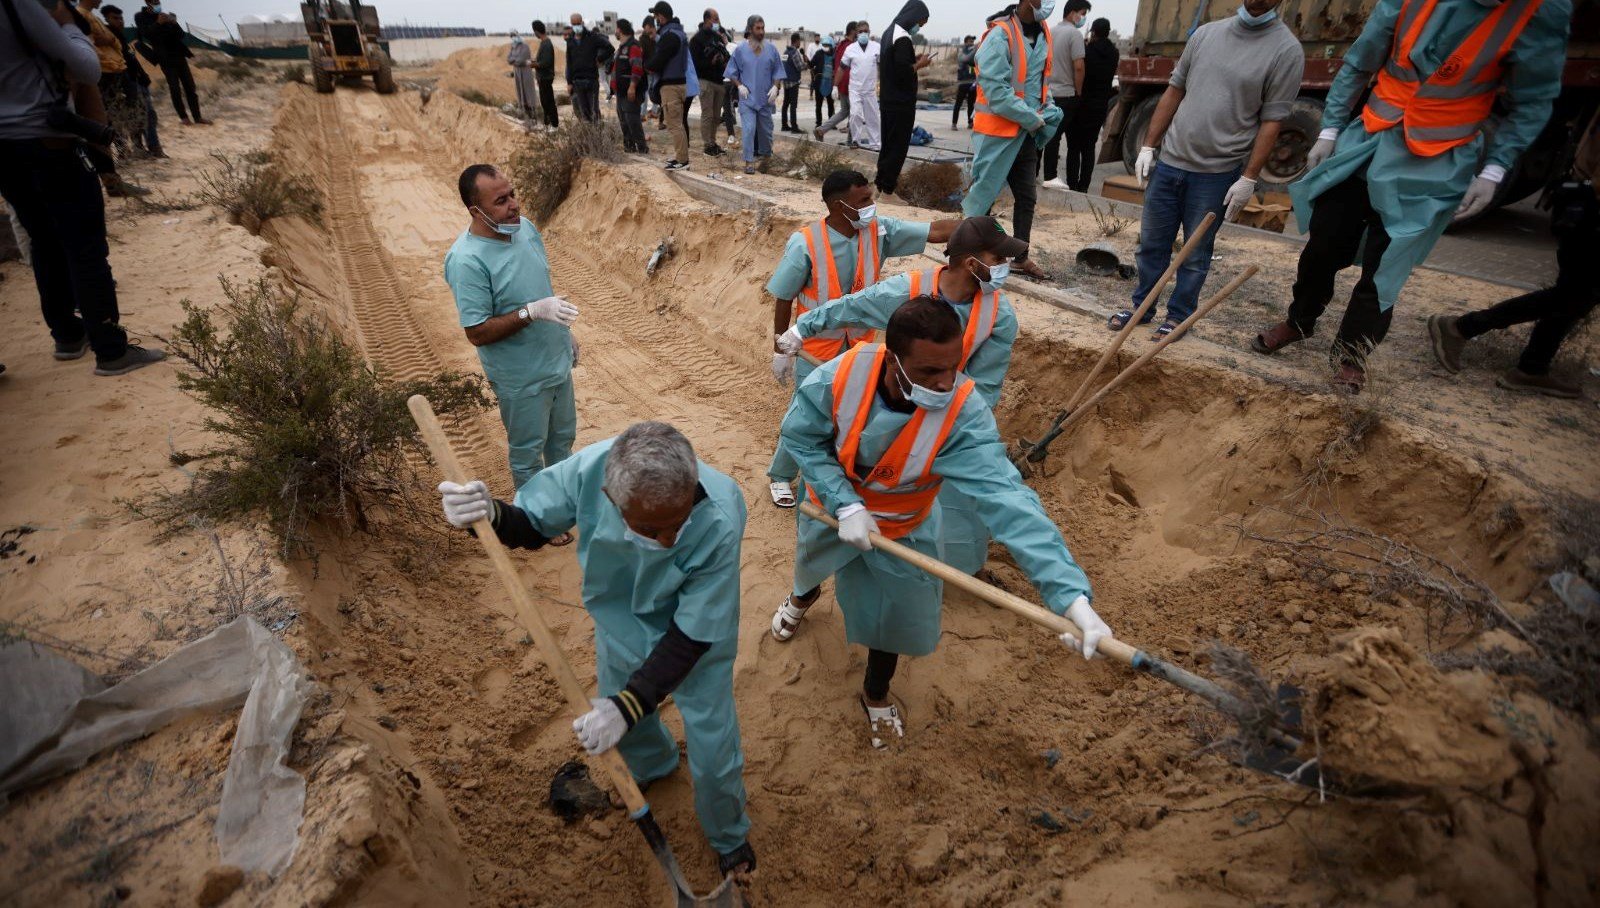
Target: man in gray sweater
{"x":1214,"y":126}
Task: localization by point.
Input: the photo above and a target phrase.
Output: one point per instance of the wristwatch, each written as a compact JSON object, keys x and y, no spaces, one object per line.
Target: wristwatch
{"x":523,"y":314}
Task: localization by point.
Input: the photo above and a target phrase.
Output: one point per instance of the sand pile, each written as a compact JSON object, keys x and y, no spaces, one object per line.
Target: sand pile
{"x":484,"y":70}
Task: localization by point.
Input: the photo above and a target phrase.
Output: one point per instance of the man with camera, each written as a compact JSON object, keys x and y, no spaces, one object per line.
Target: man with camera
{"x":48,"y":178}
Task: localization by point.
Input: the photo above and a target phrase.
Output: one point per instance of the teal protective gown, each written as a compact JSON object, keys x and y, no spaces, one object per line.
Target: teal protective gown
{"x":992,"y":156}
{"x":634,"y":595}
{"x":1415,"y":196}
{"x":888,"y":604}
{"x":965,"y":537}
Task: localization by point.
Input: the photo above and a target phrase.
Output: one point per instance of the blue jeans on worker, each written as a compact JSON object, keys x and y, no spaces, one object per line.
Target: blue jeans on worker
{"x":757,"y":124}
{"x":1174,"y":198}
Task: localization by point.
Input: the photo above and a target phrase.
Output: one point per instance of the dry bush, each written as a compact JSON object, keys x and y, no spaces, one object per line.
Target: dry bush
{"x":254,"y":188}
{"x":294,"y":72}
{"x":812,"y":161}
{"x":544,"y":168}
{"x":309,"y":432}
{"x":1563,"y":663}
{"x":231,"y":69}
{"x":936,"y":186}
{"x":1107,"y":220}
{"x":477,"y":97}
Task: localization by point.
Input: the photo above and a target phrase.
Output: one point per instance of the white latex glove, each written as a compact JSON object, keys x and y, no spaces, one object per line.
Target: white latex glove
{"x":744,"y":93}
{"x":1481,"y":192}
{"x":1094,"y":630}
{"x":790,"y":341}
{"x":772,"y":94}
{"x":600,"y":728}
{"x":1145,"y":163}
{"x":467,"y":504}
{"x":553,"y":309}
{"x":577,"y":351}
{"x":1322,"y":148}
{"x":1237,"y":197}
{"x":856,"y":526}
{"x":782,"y":367}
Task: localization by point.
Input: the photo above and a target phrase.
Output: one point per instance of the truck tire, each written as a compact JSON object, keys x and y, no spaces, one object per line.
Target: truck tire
{"x":1287,"y":161}
{"x":1133,"y":131}
{"x":383,"y":79}
{"x":321,"y":79}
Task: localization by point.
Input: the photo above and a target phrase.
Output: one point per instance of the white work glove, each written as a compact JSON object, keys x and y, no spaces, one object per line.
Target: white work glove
{"x":1145,"y":163}
{"x":467,"y":504}
{"x":772,"y":94}
{"x":744,"y":93}
{"x":856,"y":526}
{"x":782,"y":367}
{"x":600,"y":728}
{"x":1094,"y":630}
{"x":1322,"y":148}
{"x":1481,"y":192}
{"x":1237,"y":197}
{"x":553,"y":309}
{"x":790,"y":341}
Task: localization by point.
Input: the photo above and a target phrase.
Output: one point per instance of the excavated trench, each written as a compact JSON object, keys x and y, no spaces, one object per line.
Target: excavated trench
{"x":1027,"y":776}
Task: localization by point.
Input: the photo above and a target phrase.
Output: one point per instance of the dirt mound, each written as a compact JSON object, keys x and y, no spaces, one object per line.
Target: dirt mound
{"x":483,"y":72}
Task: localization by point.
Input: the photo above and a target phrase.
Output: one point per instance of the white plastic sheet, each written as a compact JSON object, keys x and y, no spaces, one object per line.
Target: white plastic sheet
{"x":56,"y":716}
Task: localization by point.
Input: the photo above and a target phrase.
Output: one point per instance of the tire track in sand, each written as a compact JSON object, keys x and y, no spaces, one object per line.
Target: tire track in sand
{"x":389,"y":333}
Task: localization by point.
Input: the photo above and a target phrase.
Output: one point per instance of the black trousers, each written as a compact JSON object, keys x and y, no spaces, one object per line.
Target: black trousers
{"x":820,"y":98}
{"x":56,"y":195}
{"x":1052,"y":149}
{"x":1022,"y":179}
{"x":897,"y":122}
{"x":1340,"y":218}
{"x":880,"y":671}
{"x":1555,"y":311}
{"x":1082,"y":134}
{"x":791,"y":106}
{"x":547,"y":102}
{"x":966,"y":93}
{"x":180,"y":83}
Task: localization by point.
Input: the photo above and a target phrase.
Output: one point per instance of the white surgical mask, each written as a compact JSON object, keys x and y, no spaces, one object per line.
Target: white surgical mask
{"x":1046,"y":8}
{"x":997,"y":277}
{"x":926,"y":398}
{"x":863,"y":216}
{"x":502,"y":229}
{"x":1256,"y":21}
{"x":577,"y":29}
{"x":863,"y":38}
{"x":650,"y":544}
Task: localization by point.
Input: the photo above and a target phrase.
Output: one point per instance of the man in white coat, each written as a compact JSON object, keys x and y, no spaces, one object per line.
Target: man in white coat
{"x":862,"y":58}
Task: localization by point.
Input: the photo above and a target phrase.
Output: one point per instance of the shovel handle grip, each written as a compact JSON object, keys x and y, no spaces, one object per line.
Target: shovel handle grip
{"x":527,"y":614}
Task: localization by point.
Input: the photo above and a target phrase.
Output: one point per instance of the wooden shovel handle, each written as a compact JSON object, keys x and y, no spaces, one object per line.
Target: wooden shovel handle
{"x":1055,"y":624}
{"x":527,"y":614}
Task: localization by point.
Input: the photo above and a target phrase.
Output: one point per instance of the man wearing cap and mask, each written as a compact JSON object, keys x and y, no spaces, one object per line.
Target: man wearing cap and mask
{"x":877,"y":432}
{"x":1014,"y":115}
{"x":659,"y":534}
{"x":841,"y":253}
{"x":980,"y":255}
{"x":756,"y":73}
{"x":500,"y":276}
{"x":1386,"y":180}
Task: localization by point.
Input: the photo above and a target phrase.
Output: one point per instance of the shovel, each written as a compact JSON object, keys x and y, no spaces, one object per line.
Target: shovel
{"x":1280,"y":746}
{"x":1027,"y":452}
{"x":726,"y":895}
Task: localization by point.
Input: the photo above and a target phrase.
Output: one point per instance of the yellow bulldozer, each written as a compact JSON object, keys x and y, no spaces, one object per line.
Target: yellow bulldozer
{"x":344,"y":44}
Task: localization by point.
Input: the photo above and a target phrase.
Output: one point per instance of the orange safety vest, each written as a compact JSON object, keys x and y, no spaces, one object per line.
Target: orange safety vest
{"x":900,"y":489}
{"x":869,"y":265}
{"x":980,"y":324}
{"x":1448,"y":108}
{"x":992,"y":124}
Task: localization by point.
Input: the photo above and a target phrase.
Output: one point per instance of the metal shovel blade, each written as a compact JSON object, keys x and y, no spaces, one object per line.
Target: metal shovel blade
{"x":726,"y":895}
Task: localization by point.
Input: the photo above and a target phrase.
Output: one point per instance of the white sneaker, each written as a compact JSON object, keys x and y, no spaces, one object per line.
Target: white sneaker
{"x":1057,"y":183}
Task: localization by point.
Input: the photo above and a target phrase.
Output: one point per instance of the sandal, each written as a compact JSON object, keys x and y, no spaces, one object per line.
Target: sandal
{"x":1276,"y":338}
{"x":883,"y":721}
{"x":1167,"y":327}
{"x":786,"y":621}
{"x":563,"y":539}
{"x":782,"y":494}
{"x":1350,"y":379}
{"x":1030,"y":268}
{"x":741,"y":860}
{"x":1120,"y":320}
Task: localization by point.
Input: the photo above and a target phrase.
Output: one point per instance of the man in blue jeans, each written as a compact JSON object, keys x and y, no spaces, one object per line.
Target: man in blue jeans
{"x":1232,"y":88}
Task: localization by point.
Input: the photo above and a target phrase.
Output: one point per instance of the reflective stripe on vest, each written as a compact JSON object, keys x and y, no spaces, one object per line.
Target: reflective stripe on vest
{"x":1448,"y":108}
{"x":825,"y":285}
{"x":980,"y":321}
{"x":984,"y":119}
{"x":901,"y":488}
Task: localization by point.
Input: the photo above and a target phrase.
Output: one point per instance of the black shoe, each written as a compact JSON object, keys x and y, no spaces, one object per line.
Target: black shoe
{"x":677,"y":165}
{"x":741,"y":860}
{"x":136,"y":357}
{"x":72,"y":351}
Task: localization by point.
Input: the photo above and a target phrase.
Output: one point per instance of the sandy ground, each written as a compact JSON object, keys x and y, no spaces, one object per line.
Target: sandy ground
{"x":1027,"y":777}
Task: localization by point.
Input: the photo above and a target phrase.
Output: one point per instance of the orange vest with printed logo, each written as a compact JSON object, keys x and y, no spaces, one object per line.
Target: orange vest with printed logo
{"x":985,"y":120}
{"x":901,"y":488}
{"x":825,"y":285}
{"x":1448,"y":108}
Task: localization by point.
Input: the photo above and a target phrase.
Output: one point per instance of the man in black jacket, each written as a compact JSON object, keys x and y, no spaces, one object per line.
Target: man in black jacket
{"x":587,"y":53}
{"x":710,"y":55}
{"x":173,"y":56}
{"x":897,"y":95}
{"x":544,"y":73}
{"x":670,"y":64}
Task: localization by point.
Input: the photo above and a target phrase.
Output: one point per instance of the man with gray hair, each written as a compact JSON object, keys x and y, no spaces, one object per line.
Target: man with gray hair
{"x":658,"y":543}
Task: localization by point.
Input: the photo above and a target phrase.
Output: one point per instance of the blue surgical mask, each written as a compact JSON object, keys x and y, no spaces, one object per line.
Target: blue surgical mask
{"x":997,"y":277}
{"x":1046,"y":9}
{"x":156,"y":8}
{"x":913,"y":29}
{"x":926,"y":398}
{"x":577,"y":29}
{"x":502,"y":229}
{"x":863,"y":38}
{"x":649,"y":544}
{"x":1256,"y":21}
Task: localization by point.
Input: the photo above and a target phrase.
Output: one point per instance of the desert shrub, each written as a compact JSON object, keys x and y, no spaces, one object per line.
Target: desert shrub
{"x":936,"y":186}
{"x":476,"y":97}
{"x":294,"y":72}
{"x":1107,"y":220}
{"x":253,"y":188}
{"x":543,"y":169}
{"x":812,"y":161}
{"x":230,"y":69}
{"x":309,"y":432}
